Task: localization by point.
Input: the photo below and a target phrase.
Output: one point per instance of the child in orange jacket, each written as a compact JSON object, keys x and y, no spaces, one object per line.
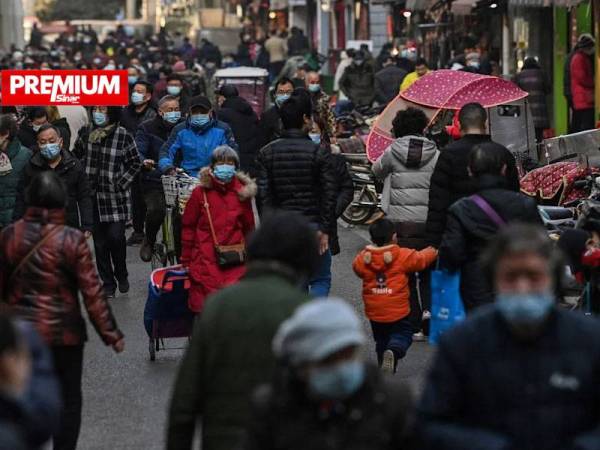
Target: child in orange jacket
{"x":384,"y":269}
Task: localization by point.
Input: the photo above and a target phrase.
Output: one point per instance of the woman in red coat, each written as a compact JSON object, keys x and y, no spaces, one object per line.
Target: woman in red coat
{"x":229,"y":194}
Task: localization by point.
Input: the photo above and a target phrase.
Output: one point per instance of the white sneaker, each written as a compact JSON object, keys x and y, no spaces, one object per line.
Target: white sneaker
{"x":419,"y":337}
{"x":387,"y":366}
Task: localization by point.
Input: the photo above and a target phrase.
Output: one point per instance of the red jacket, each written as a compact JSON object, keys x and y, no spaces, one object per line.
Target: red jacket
{"x":233,"y":219}
{"x":45,"y":291}
{"x":582,"y":81}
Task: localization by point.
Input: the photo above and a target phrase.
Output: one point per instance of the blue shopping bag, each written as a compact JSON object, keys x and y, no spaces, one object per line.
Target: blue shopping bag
{"x":447,"y":308}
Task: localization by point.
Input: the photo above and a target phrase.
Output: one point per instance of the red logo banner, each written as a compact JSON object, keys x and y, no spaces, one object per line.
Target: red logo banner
{"x":64,"y":87}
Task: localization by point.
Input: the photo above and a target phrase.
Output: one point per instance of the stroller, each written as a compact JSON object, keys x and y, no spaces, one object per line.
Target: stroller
{"x":166,"y":314}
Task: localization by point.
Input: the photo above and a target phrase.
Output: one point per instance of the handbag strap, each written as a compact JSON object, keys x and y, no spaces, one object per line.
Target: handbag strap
{"x":210,"y":222}
{"x":31,"y":252}
{"x":488,"y":210}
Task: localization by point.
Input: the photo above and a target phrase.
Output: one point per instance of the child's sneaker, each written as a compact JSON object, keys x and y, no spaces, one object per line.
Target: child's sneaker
{"x":389,"y":362}
{"x":419,"y":337}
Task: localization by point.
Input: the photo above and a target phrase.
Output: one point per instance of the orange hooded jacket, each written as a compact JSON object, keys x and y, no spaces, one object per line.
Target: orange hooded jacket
{"x":384,"y":271}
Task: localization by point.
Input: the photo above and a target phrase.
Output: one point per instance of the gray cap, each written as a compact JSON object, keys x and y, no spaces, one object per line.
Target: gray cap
{"x":317,"y":330}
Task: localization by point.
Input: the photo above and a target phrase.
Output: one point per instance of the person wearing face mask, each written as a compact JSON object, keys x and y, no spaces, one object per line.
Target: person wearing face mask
{"x":194,"y":140}
{"x":523,"y":372}
{"x":13,"y":159}
{"x":111,"y":161}
{"x":239,"y":115}
{"x":473,"y":221}
{"x":223,"y":200}
{"x":320,"y":102}
{"x":36,"y":116}
{"x":270,"y":122}
{"x":53,"y":156}
{"x":324,"y":394}
{"x":230,"y":354}
{"x":139,"y":110}
{"x":358,"y":81}
{"x":176,"y":88}
{"x":150,"y":137}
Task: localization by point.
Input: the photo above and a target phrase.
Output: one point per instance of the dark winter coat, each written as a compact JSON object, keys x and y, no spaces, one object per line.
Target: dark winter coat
{"x":451,"y":181}
{"x":111,"y":166}
{"x":19,"y":156}
{"x":46,"y":290}
{"x":376,"y":417}
{"x":64,"y":130}
{"x":271,"y":126}
{"x":387,"y":83}
{"x":487,"y":390}
{"x":582,"y":81}
{"x":358,"y":84}
{"x":131,"y":119}
{"x":28,"y":136}
{"x":149,"y":138}
{"x":239,"y":115}
{"x":13,"y":431}
{"x":79,"y":211}
{"x":469,"y":230}
{"x":534,"y":82}
{"x":233,"y":220}
{"x":295,"y":174}
{"x":229,"y":355}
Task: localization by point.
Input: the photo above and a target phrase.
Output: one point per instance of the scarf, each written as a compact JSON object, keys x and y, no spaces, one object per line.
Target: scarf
{"x":101,"y":133}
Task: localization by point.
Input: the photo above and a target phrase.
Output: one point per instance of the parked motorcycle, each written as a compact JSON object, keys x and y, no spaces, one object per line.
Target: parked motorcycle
{"x":367,"y":199}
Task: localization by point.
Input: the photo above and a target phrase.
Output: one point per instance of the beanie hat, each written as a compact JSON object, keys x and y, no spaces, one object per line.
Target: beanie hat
{"x":179,"y":66}
{"x":317,"y":330}
{"x":586,"y":40}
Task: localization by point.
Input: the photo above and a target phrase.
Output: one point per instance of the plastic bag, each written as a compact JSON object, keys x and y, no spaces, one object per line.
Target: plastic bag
{"x":447,"y":308}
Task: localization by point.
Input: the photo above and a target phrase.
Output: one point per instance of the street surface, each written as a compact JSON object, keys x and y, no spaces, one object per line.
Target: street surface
{"x":126,"y":396}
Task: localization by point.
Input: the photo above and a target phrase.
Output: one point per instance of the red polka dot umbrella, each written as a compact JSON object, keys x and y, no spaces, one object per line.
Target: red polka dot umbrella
{"x":441,"y":89}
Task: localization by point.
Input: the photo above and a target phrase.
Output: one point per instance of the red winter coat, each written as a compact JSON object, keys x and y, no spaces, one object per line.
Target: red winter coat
{"x":46,"y":289}
{"x":233,"y":219}
{"x":582,"y":81}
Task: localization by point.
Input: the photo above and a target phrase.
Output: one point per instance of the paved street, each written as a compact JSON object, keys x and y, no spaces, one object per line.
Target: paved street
{"x":126,"y":396}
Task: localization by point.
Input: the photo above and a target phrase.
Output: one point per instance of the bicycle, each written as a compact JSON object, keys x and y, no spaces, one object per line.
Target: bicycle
{"x":177,"y":189}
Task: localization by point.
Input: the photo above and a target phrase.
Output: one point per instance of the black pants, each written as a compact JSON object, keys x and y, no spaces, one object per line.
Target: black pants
{"x":68,"y":365}
{"x":155,"y":212}
{"x":394,"y":336}
{"x":420,"y":297}
{"x":138,"y":206}
{"x":111,"y":251}
{"x":583,"y":119}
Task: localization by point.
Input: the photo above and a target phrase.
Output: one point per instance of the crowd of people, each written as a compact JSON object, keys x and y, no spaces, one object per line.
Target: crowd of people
{"x":274,"y":361}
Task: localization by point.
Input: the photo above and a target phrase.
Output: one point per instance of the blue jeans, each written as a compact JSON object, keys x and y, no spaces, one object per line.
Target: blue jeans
{"x":320,"y":284}
{"x":394,"y":336}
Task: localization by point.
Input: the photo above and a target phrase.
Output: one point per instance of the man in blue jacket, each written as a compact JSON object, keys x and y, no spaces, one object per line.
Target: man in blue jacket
{"x":192,"y":142}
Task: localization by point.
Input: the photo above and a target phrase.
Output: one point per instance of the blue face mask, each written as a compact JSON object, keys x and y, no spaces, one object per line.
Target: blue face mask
{"x":172,"y":116}
{"x":132,"y":79}
{"x":199,"y":120}
{"x":337,"y":382}
{"x":173,"y":90}
{"x":315,"y":137}
{"x":314,"y":88}
{"x":99,"y":118}
{"x":137,"y":98}
{"x":224,"y":172}
{"x":525,"y":310}
{"x":281,"y":98}
{"x":50,"y":151}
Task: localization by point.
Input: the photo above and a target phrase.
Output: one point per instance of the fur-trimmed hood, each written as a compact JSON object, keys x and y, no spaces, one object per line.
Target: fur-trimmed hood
{"x":246,"y":191}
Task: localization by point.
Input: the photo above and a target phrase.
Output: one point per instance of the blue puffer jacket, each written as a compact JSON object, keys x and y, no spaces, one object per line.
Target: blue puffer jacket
{"x":194,"y":145}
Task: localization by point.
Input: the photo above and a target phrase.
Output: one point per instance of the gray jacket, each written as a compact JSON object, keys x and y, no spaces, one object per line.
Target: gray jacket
{"x":406,"y":167}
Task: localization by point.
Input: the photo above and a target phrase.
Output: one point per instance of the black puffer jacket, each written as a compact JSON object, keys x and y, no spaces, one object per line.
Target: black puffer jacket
{"x":130,"y":119}
{"x":488,"y":390}
{"x":295,"y":174}
{"x":239,"y":115}
{"x":79,"y":213}
{"x":270,"y":126}
{"x":28,"y":136}
{"x":149,"y":138}
{"x":450,"y":182}
{"x":469,"y":229}
{"x":377,"y":417}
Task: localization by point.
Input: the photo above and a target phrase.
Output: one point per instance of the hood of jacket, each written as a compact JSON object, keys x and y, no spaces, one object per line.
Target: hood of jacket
{"x":239,"y":105}
{"x":242,"y":183}
{"x":413,"y":151}
{"x":377,"y":258}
